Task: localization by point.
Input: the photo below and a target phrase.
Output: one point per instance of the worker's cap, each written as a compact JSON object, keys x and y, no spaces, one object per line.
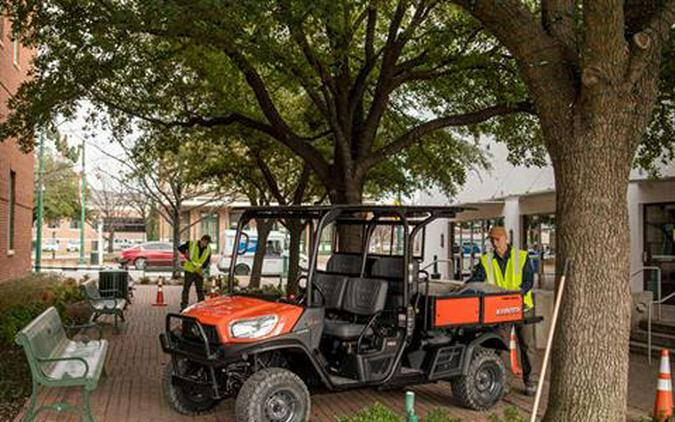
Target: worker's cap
{"x":206,"y":238}
{"x":498,"y":231}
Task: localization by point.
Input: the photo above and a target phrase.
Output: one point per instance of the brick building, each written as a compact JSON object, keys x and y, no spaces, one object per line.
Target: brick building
{"x":16,"y":167}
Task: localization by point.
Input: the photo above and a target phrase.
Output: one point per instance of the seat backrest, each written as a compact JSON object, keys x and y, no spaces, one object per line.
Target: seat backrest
{"x":44,"y":337}
{"x":348,"y":264}
{"x":365,"y":296}
{"x":91,"y":290}
{"x":333,"y":287}
{"x":392,"y":269}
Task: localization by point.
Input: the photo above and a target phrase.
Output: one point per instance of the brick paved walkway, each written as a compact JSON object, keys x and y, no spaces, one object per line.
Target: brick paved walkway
{"x":132,"y":391}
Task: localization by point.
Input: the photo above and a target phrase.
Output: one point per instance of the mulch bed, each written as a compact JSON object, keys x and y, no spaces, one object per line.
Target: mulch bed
{"x":15,"y":386}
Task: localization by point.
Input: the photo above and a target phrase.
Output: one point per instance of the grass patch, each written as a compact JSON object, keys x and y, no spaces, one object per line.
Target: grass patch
{"x":380,"y":413}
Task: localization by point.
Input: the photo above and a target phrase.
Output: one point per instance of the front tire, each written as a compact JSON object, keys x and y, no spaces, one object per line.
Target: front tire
{"x":483,"y":385}
{"x":185,"y":400}
{"x":140,"y":263}
{"x":273,"y":395}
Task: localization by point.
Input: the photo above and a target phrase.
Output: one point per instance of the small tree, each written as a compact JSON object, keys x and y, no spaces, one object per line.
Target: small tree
{"x":109,"y":201}
{"x":162,"y":174}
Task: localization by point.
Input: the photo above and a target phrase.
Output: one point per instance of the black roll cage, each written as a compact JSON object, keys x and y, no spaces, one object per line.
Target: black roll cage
{"x":417,"y":217}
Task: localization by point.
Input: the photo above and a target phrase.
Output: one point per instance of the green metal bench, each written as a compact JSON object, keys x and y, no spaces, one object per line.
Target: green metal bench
{"x":104,"y":306}
{"x":57,"y":361}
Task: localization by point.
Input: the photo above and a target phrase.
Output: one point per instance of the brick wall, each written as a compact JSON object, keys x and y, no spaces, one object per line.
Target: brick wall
{"x":13,"y":71}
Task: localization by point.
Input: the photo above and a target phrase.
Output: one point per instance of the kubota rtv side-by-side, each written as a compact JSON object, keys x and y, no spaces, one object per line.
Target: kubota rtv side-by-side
{"x":371,"y":317}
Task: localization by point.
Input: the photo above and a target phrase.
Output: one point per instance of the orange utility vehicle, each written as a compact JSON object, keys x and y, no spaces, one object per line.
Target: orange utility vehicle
{"x":367,"y":317}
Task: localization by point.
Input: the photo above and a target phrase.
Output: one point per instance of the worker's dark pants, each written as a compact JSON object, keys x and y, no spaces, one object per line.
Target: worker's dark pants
{"x":190,"y":278}
{"x":527,"y":347}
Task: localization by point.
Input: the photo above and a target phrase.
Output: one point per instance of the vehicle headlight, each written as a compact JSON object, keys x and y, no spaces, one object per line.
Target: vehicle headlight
{"x":253,"y":328}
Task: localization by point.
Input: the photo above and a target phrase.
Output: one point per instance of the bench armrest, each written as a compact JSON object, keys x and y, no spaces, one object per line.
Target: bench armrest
{"x":62,"y":359}
{"x":86,"y":327}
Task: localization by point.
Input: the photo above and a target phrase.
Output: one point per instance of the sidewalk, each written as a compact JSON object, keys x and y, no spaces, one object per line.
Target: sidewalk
{"x":132,"y":391}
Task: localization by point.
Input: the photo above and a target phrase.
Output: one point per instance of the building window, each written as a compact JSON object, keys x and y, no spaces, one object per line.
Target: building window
{"x":53,"y":223}
{"x":74,"y":223}
{"x":209,"y":224}
{"x":16,"y":48}
{"x":12,"y":209}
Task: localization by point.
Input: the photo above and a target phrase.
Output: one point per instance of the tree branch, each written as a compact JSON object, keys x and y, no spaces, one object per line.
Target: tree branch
{"x":425,"y":128}
{"x":558,"y":19}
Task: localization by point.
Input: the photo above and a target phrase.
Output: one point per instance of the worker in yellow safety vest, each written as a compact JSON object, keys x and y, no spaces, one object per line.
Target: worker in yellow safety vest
{"x":511,"y":269}
{"x":197,"y":260}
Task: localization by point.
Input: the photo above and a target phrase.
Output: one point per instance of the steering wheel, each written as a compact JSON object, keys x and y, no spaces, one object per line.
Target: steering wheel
{"x":302,"y":295}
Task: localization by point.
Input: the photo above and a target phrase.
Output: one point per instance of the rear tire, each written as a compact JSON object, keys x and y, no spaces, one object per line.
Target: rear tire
{"x":241,"y":269}
{"x":186,"y":402}
{"x":273,"y":395}
{"x":483,"y":385}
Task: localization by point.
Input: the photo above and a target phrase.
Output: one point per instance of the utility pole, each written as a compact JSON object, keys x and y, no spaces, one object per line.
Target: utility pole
{"x":82,"y":211}
{"x":40,"y":204}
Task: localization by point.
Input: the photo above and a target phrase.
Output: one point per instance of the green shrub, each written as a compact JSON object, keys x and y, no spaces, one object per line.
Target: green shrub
{"x":375,"y":413}
{"x":440,"y":415}
{"x":24,"y":299}
{"x":511,"y":414}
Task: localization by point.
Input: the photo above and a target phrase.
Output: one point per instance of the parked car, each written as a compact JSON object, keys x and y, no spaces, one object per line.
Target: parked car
{"x":73,"y":245}
{"x":50,"y":245}
{"x":148,"y":254}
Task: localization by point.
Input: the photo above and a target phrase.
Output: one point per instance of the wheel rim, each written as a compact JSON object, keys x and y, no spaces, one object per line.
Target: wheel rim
{"x":197,"y":373}
{"x":140,"y":263}
{"x":487,"y":383}
{"x":281,"y":406}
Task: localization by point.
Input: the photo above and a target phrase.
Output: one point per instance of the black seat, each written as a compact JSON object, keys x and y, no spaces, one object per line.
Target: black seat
{"x":392,"y":269}
{"x":348,"y":264}
{"x":333,"y":287}
{"x":363,"y":297}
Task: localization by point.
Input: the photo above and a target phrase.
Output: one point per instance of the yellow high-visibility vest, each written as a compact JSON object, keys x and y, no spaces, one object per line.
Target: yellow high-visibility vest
{"x":513,"y":278}
{"x":195,"y":260}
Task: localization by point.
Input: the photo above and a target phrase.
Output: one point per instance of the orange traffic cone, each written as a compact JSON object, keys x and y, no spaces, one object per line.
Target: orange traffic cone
{"x":214,"y":289}
{"x":160,"y":294}
{"x":663,"y":407}
{"x":513,"y":351}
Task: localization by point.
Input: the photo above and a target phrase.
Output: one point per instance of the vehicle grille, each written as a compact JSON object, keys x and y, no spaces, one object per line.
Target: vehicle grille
{"x":190,"y":332}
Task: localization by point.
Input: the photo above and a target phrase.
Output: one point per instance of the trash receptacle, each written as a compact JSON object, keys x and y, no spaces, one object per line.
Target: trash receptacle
{"x":114,"y":280}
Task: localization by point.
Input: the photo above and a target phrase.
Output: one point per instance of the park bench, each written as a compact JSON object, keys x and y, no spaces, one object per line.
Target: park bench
{"x":57,"y":361}
{"x":101,"y":305}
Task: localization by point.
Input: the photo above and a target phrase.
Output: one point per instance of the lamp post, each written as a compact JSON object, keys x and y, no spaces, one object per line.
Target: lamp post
{"x":82,"y":210}
{"x":40,"y":204}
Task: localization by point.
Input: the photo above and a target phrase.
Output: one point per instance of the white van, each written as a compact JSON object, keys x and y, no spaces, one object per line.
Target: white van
{"x":277,"y":250}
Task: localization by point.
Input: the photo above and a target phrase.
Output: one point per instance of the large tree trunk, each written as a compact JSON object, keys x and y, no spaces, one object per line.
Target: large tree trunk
{"x":295,"y":229}
{"x":350,"y":192}
{"x":592,"y":159}
{"x":263,"y":227}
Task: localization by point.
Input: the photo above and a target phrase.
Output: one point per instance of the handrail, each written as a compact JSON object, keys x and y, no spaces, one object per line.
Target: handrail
{"x":658,"y":302}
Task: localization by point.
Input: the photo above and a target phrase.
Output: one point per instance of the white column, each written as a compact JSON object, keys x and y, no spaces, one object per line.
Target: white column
{"x":512,"y":219}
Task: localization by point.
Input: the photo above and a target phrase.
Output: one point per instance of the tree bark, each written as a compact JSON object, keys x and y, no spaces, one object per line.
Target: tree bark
{"x":590,"y":353}
{"x":295,"y":229}
{"x":111,"y":239}
{"x":263,"y":226}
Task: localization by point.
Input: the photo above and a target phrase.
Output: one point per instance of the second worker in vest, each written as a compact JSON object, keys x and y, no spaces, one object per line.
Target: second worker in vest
{"x":198,"y":259}
{"x":510,"y":269}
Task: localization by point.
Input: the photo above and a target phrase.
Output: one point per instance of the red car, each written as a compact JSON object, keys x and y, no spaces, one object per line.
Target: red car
{"x":149,"y":254}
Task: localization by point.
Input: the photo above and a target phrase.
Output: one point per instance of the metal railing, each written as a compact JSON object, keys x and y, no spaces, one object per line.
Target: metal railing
{"x":659,"y":300}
